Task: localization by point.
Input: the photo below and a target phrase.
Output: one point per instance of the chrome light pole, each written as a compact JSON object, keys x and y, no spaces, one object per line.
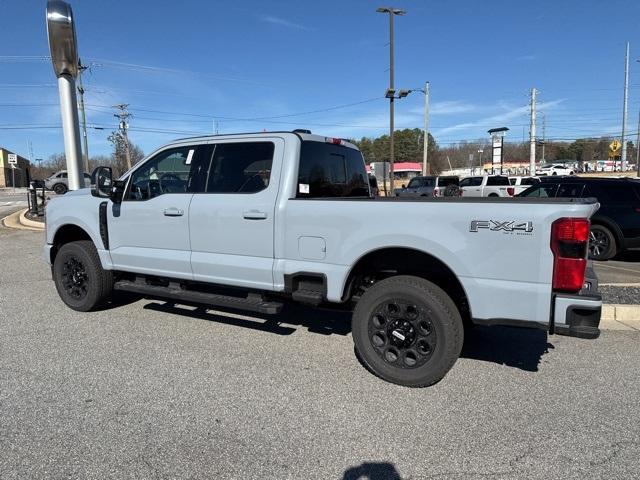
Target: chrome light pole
{"x":64,"y":56}
{"x":392,"y":12}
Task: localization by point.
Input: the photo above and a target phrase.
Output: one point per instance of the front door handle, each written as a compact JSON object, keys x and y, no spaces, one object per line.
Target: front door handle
{"x":173,"y":212}
{"x":254,"y":215}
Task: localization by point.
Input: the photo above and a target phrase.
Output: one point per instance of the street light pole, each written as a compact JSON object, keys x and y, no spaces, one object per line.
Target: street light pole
{"x":391,"y":11}
{"x":426,"y":128}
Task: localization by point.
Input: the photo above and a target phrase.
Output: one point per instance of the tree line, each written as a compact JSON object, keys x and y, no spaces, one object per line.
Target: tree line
{"x":408,"y":147}
{"x":117,"y":160}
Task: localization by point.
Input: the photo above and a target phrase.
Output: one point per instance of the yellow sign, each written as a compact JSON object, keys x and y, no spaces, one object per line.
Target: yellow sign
{"x":615,"y":146}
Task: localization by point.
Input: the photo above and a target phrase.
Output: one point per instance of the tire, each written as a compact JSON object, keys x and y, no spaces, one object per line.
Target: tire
{"x":82,"y":283}
{"x":60,"y":188}
{"x":407,"y":331}
{"x":493,"y":195}
{"x":554,"y":173}
{"x":602,"y":243}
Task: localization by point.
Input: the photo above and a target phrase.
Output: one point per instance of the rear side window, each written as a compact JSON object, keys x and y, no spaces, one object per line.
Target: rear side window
{"x":446,"y":181}
{"x":497,"y":181}
{"x":328,"y":170}
{"x":529,"y":181}
{"x":618,"y":193}
{"x":240,"y":167}
{"x":543,"y":190}
{"x":570,"y":190}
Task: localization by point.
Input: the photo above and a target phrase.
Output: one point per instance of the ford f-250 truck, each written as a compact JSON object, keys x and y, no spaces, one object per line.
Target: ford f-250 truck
{"x":252,"y":221}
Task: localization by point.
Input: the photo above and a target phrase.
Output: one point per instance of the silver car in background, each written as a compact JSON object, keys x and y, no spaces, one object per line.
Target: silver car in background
{"x":59,"y":183}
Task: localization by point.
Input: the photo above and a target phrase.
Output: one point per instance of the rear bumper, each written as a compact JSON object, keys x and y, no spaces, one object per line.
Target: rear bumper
{"x":577,"y":315}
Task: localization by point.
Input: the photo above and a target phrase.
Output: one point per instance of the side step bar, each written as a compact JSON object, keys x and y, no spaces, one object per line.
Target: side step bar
{"x":253,"y":302}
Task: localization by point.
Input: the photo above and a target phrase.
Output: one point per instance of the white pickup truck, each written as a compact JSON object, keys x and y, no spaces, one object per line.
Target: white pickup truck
{"x":486,"y":186}
{"x":252,"y":221}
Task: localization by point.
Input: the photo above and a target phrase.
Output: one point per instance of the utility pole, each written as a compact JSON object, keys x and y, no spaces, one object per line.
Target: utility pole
{"x":85,"y":156}
{"x":623,"y":158}
{"x":391,"y":91}
{"x":426,"y":128}
{"x":532,"y":134}
{"x":123,"y":126}
{"x":544,"y":138}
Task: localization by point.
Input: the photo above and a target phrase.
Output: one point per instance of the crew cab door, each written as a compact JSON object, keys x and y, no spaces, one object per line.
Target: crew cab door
{"x":149,"y":230}
{"x":232,"y":222}
{"x":471,"y":186}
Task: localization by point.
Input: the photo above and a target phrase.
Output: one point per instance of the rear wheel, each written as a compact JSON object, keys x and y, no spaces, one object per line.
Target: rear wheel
{"x":602,"y":243}
{"x":60,"y":188}
{"x":81,"y":281}
{"x":407,"y":331}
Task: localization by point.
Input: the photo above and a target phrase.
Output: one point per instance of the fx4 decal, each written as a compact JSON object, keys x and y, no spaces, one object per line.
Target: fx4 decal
{"x":497,"y":226}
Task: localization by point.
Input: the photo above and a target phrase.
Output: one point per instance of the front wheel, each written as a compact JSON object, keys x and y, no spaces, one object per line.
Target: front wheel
{"x":60,"y":188}
{"x":602,"y":243}
{"x":81,"y":281}
{"x":407,"y":331}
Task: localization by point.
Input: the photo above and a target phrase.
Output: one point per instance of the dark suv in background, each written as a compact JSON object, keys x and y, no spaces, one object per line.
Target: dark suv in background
{"x":615,"y":227}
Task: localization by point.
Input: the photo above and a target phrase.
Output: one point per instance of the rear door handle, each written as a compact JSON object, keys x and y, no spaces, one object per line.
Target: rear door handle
{"x":254,"y":215}
{"x":173,"y":212}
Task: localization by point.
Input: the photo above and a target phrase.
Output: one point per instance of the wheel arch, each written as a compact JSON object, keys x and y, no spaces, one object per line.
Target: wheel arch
{"x":391,"y":261}
{"x":67,"y":233}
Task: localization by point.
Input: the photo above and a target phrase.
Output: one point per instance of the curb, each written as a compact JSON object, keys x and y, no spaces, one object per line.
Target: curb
{"x":13,"y":221}
{"x":620,"y":317}
{"x":30,"y":223}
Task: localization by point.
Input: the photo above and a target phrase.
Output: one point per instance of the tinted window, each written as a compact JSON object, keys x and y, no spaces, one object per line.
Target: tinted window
{"x":513,"y":181}
{"x":328,"y":170}
{"x":618,"y":193}
{"x":240,"y":167}
{"x":529,"y":181}
{"x":170,"y":171}
{"x":444,"y":181}
{"x":541,"y":190}
{"x":497,"y":181}
{"x":570,"y":190}
{"x":465,"y":182}
{"x":63,"y":175}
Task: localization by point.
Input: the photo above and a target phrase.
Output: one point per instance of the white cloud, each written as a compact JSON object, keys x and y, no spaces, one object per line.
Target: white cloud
{"x":526,"y":58}
{"x":283,"y":22}
{"x":450,"y":107}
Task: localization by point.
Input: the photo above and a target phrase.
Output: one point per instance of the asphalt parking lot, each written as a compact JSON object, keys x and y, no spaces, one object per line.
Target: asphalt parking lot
{"x":148,"y":390}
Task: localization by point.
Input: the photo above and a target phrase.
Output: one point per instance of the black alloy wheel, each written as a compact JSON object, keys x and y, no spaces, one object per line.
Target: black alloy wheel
{"x":402,"y":333}
{"x":407,"y":331}
{"x":74,"y":278}
{"x":602,"y":244}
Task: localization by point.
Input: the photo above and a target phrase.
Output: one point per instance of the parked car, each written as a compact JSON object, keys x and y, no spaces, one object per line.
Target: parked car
{"x":59,"y":182}
{"x":555,"y":169}
{"x":252,"y":221}
{"x":615,"y":227}
{"x":487,"y":186}
{"x":427,"y":186}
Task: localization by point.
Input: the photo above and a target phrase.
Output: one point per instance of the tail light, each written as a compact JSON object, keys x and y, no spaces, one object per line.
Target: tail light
{"x":569,"y":240}
{"x":436,"y":192}
{"x":511,"y":191}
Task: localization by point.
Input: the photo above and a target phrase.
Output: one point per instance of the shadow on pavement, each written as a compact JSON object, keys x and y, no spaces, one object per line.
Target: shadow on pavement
{"x":520,"y":348}
{"x":324,"y":322}
{"x":372,"y":471}
{"x":511,"y":346}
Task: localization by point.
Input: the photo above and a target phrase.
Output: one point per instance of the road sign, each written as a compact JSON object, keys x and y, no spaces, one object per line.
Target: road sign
{"x":615,"y":146}
{"x":13,"y":159}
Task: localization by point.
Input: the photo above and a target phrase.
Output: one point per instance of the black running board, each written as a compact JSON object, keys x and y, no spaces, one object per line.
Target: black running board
{"x":253,"y":302}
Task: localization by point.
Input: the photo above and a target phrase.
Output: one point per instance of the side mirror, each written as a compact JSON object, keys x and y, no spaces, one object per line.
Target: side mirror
{"x":103,"y":183}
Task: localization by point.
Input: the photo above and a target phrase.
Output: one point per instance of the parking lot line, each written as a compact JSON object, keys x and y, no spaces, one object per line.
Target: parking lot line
{"x":615,"y":267}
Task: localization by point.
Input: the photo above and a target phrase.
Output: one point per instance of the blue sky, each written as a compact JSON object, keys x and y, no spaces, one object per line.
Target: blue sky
{"x":256,"y":65}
